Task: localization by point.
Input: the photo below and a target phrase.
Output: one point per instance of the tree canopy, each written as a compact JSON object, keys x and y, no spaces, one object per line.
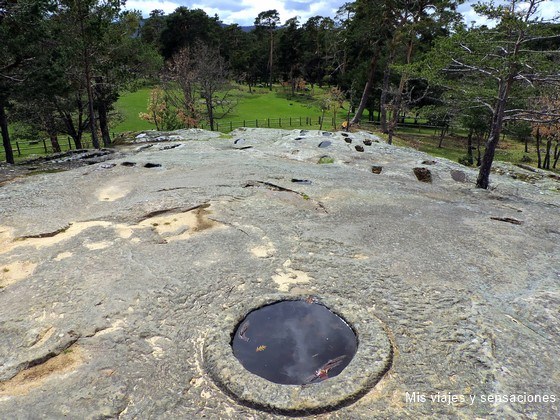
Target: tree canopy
{"x":65,"y":63}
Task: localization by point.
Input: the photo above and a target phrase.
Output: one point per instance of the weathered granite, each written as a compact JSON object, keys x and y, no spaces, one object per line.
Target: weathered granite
{"x":113,"y":277}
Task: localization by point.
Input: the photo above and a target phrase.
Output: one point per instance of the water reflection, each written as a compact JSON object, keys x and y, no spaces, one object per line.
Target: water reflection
{"x":294,"y":342}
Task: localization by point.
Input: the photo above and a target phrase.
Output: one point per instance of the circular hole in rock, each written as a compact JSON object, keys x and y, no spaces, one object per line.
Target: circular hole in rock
{"x":294,"y":342}
{"x":372,"y":360}
{"x":324,"y":144}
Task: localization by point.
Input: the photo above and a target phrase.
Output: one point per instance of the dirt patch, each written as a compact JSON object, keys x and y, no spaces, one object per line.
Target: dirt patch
{"x":111,"y":193}
{"x":180,"y":226}
{"x":16,"y":271}
{"x":264,"y":251}
{"x":284,"y":278}
{"x":34,"y":377}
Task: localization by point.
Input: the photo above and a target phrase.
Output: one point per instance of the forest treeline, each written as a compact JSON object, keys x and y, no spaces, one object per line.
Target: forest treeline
{"x":64,"y":64}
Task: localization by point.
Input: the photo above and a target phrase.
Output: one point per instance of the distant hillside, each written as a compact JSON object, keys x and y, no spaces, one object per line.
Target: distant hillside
{"x":244,"y":28}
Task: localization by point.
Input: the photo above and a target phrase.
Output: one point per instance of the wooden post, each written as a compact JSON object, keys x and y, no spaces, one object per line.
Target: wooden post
{"x":244,"y":125}
{"x":45,"y":146}
{"x":18,"y":150}
{"x":69,"y":143}
{"x":257,"y":123}
{"x":231,"y":126}
{"x":279,"y":122}
{"x":268,"y":119}
{"x":290,"y":121}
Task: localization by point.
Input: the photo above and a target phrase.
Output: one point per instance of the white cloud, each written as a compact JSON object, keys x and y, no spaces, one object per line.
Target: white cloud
{"x":244,"y":12}
{"x":146,"y":6}
{"x":547,"y":10}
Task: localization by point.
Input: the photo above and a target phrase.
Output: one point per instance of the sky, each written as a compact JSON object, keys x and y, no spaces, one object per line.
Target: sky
{"x":244,"y":12}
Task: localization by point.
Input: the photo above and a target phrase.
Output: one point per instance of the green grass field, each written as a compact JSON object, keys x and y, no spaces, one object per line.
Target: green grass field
{"x":261,"y":105}
{"x":129,"y":105}
{"x":278,"y":108}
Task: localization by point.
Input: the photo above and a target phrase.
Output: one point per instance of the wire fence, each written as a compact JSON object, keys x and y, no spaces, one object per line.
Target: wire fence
{"x":25,"y":148}
{"x":286,"y":122}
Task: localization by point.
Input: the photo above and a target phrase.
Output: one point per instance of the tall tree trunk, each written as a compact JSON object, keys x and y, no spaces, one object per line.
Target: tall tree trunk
{"x":367,"y":88}
{"x":478,"y":158}
{"x":54,"y":143}
{"x":92,"y":125}
{"x":71,"y":129}
{"x":538,"y":139}
{"x":397,"y":100}
{"x":442,"y":135}
{"x":104,"y":123}
{"x":6,"y":135}
{"x":210,"y":110}
{"x":270,"y":58}
{"x":483,"y":179}
{"x":384,"y":93}
{"x":546,"y":162}
{"x":53,"y":135}
{"x":89,"y":88}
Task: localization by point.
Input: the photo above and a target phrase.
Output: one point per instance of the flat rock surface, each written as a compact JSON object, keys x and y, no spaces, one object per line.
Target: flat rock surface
{"x":112,"y":276}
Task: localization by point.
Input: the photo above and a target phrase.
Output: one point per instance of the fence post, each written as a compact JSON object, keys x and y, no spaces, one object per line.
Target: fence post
{"x":231,"y":126}
{"x":69,"y":143}
{"x":18,"y":151}
{"x":244,"y":125}
{"x":290,"y":121}
{"x":257,"y":123}
{"x":279,"y":122}
{"x":45,"y":146}
{"x":217,"y":126}
{"x":268,"y":119}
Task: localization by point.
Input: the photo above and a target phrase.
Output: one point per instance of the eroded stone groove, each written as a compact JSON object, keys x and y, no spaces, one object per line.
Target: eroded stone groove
{"x":46,"y":234}
{"x":273,"y":187}
{"x":36,"y":375}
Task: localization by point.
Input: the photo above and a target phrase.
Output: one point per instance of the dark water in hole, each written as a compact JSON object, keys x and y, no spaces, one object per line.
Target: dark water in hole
{"x":294,"y":342}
